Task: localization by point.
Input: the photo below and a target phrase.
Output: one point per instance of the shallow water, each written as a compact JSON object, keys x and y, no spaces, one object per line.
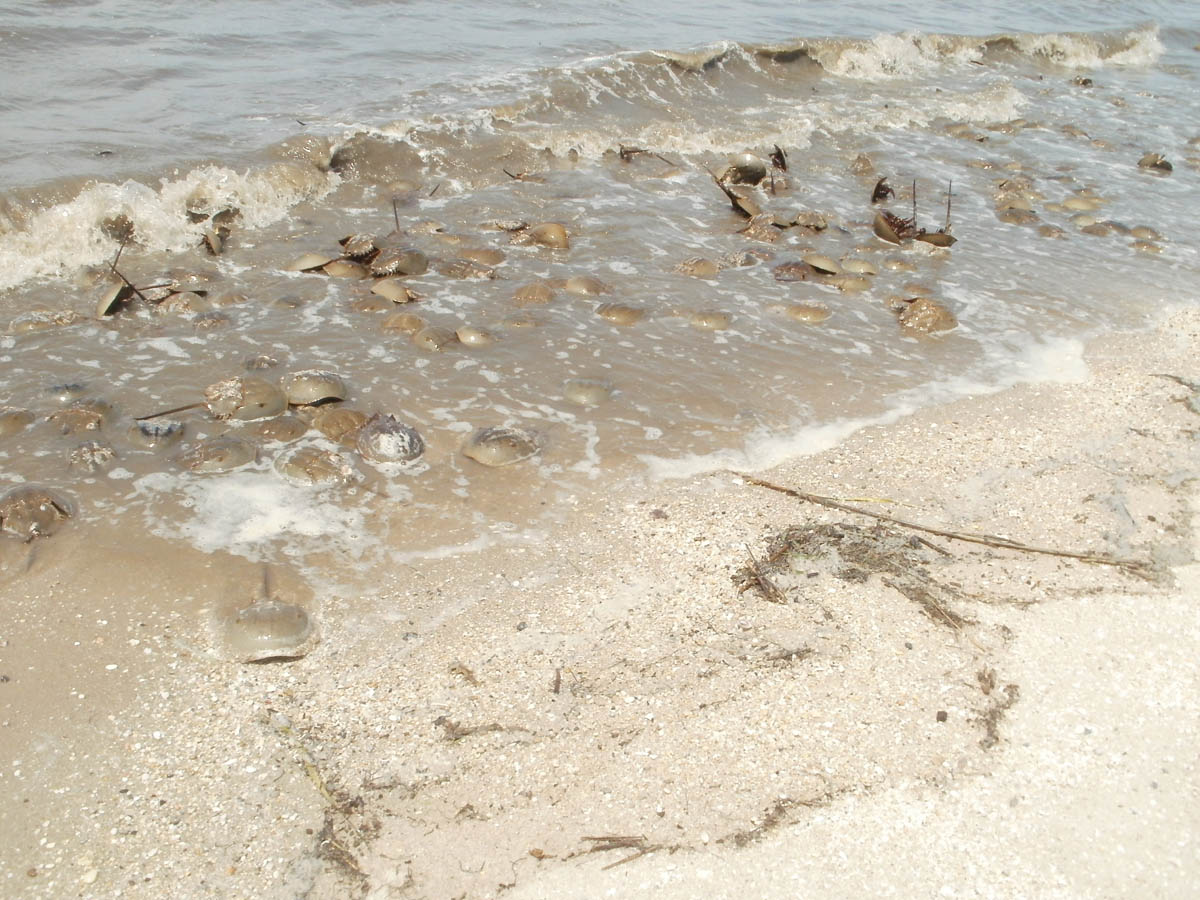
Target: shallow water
{"x":441,"y":120}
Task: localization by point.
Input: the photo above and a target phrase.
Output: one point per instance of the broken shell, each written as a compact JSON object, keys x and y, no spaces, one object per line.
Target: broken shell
{"x":339,"y":424}
{"x":403,"y":323}
{"x":283,"y":429}
{"x":710,"y":320}
{"x":400,"y":261}
{"x":308,"y":262}
{"x":585,"y":285}
{"x":500,"y":446}
{"x":745,"y":168}
{"x":14,"y":420}
{"x":311,"y":386}
{"x":534,"y":294}
{"x":550,"y":234}
{"x":619,"y":313}
{"x":474,"y":337}
{"x":268,"y":630}
{"x":587,"y":391}
{"x":386,"y":439}
{"x":30,"y":511}
{"x":434,"y":338}
{"x":90,"y":456}
{"x":219,"y":454}
{"x":309,"y":466}
{"x":244,"y":399}
{"x":154,"y":434}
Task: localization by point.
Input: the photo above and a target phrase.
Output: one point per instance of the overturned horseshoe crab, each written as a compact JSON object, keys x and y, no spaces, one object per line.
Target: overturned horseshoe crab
{"x":500,"y":446}
{"x":30,"y":511}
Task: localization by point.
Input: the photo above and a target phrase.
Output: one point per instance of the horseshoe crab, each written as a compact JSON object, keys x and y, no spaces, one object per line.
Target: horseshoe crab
{"x":245,"y":399}
{"x":400,"y":261}
{"x":462,"y":268}
{"x":309,"y":387}
{"x":82,"y":415}
{"x":474,"y":337}
{"x":358,"y":246}
{"x":619,"y":313}
{"x":14,"y":420}
{"x":310,"y":466}
{"x":386,"y":439}
{"x":403,"y":323}
{"x":219,"y":454}
{"x":500,"y":446}
{"x":1157,"y":163}
{"x":268,"y":629}
{"x":587,"y":391}
{"x":537,"y":293}
{"x":547,"y":234}
{"x":395,"y":290}
{"x":745,"y":168}
{"x":284,"y":429}
{"x":434,"y":338}
{"x":90,"y":456}
{"x":584,"y":285}
{"x":30,"y":511}
{"x":925,"y":315}
{"x":339,"y":424}
{"x":710,"y":320}
{"x":310,"y":262}
{"x":698,"y":267}
{"x":155,"y":434}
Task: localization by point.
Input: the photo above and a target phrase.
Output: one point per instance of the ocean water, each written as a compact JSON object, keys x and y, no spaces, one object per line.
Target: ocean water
{"x":445,"y":127}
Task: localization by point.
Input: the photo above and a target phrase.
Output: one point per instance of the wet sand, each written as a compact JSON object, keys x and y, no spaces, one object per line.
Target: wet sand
{"x":616,"y":708}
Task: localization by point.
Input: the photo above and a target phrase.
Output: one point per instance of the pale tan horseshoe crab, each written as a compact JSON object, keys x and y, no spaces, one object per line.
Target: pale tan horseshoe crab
{"x":309,"y":466}
{"x":310,"y":387}
{"x":219,"y":454}
{"x":269,"y":629}
{"x":500,"y":446}
{"x":245,"y":398}
{"x":30,"y":511}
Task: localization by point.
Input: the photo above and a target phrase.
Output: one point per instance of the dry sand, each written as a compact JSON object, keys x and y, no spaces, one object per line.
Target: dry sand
{"x":618,"y":710}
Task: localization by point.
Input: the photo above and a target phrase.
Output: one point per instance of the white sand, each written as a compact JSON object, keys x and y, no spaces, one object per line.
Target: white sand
{"x":467,"y":725}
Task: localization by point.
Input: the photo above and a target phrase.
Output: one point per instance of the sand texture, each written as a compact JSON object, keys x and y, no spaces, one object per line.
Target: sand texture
{"x":704,"y":687}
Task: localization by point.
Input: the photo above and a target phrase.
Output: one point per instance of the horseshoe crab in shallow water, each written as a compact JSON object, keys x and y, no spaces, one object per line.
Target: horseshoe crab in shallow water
{"x":91,"y":456}
{"x":154,"y":434}
{"x":500,"y":446}
{"x":244,"y":399}
{"x":82,"y":415}
{"x":219,"y":454}
{"x":400,"y":261}
{"x":587,"y":391}
{"x":386,"y":439}
{"x":310,"y":466}
{"x":269,"y":629}
{"x":339,"y":424}
{"x":284,"y":429}
{"x":29,"y":512}
{"x":312,"y":386}
{"x":14,"y":420}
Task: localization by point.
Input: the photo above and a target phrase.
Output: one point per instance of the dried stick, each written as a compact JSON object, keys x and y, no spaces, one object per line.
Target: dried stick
{"x":1134,"y":566}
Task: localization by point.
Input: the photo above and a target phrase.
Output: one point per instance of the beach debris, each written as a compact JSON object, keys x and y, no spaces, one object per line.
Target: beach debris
{"x":636,"y":842}
{"x":1000,"y":703}
{"x":384,"y":438}
{"x":31,"y":511}
{"x":218,"y":454}
{"x":500,"y":445}
{"x":587,"y":391}
{"x":309,"y":466}
{"x":1157,"y":163}
{"x":310,"y":387}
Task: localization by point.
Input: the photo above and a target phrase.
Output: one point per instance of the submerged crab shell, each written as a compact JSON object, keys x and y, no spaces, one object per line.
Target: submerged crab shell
{"x":386,"y":439}
{"x":268,"y":630}
{"x":31,"y":511}
{"x":219,"y":454}
{"x":500,"y":446}
{"x":309,"y":466}
{"x":313,"y":386}
{"x":154,"y":434}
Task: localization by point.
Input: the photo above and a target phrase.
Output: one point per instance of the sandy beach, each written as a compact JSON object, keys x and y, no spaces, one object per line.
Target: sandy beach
{"x":704,"y":687}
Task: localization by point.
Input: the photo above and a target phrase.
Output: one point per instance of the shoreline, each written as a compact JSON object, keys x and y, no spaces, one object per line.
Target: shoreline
{"x":610,"y":713}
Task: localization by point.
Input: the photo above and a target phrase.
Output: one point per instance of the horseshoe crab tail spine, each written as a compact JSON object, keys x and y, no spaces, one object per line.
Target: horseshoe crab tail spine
{"x":396,"y":212}
{"x":167,"y":412}
{"x":949,"y":194}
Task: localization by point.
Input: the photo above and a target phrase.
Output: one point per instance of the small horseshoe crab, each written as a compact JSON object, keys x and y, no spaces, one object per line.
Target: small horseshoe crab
{"x":30,"y":511}
{"x":14,"y":420}
{"x":155,"y":434}
{"x":500,"y":446}
{"x":384,"y":438}
{"x":269,"y":629}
